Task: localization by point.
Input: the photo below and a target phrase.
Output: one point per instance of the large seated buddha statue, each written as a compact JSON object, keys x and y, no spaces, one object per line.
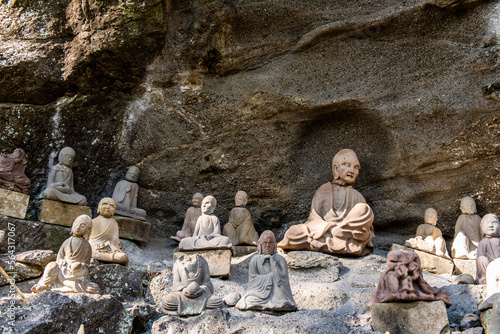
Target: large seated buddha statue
{"x":340,"y":221}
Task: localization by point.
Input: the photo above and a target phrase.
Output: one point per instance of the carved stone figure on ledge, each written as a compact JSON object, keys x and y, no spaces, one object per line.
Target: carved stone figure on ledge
{"x":60,"y":183}
{"x":467,"y":231}
{"x":403,"y":281}
{"x":192,"y":290}
{"x":70,"y":271}
{"x":12,"y":167}
{"x":268,"y":283}
{"x":428,"y":237}
{"x":489,"y":247}
{"x":190,"y":219}
{"x":206,"y":234}
{"x":125,"y":196}
{"x":340,"y":221}
{"x":105,"y":236}
{"x":240,"y":227}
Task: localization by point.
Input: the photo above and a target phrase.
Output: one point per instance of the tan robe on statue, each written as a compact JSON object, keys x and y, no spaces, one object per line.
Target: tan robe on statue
{"x":240,"y":227}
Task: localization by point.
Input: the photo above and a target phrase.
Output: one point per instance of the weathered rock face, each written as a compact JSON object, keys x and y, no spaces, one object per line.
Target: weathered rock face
{"x":217,"y":96}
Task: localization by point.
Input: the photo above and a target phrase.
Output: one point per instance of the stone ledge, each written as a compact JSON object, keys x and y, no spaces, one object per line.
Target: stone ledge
{"x":13,"y":204}
{"x":59,"y":213}
{"x":219,"y":260}
{"x":431,"y":263}
{"x":133,"y":229}
{"x":463,"y":266}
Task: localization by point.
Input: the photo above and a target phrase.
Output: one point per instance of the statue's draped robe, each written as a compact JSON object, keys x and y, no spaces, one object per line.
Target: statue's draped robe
{"x":467,"y":235}
{"x":206,"y":235}
{"x":60,"y":186}
{"x":267,"y":289}
{"x":340,"y":222}
{"x":125,"y":197}
{"x":487,"y":251}
{"x":105,"y":236}
{"x":240,"y":227}
{"x":12,"y":167}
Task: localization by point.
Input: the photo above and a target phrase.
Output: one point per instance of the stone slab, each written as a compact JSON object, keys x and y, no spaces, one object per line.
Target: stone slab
{"x":219,"y":260}
{"x":13,"y":204}
{"x":490,"y":319}
{"x":463,"y":266}
{"x":59,"y":213}
{"x":431,"y":263}
{"x":243,"y":250}
{"x":417,"y":317}
{"x":133,"y":229}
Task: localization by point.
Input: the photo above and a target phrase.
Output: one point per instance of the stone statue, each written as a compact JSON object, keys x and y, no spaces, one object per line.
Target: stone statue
{"x":488,"y":248}
{"x":12,"y":167}
{"x":340,"y":221}
{"x":428,"y":237}
{"x":240,"y":227}
{"x":192,"y":291}
{"x":60,"y":182}
{"x":105,"y":235}
{"x":125,"y":196}
{"x":493,"y":278}
{"x":268,"y":284}
{"x":403,"y":281}
{"x":206,"y":234}
{"x":467,"y":231}
{"x":192,"y":215}
{"x":70,"y":271}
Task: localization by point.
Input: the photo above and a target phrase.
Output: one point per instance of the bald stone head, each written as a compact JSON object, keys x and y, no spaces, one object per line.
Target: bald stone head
{"x":267,"y":243}
{"x":431,"y":216}
{"x":208,"y":205}
{"x":468,"y":205}
{"x":241,"y":198}
{"x":67,"y":156}
{"x":490,"y":225}
{"x":345,"y":167}
{"x":106,"y":207}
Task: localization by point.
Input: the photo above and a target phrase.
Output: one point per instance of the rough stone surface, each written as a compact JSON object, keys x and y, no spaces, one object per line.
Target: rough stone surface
{"x":465,"y":299}
{"x":463,"y":266}
{"x":243,"y":250}
{"x":13,"y":204}
{"x":219,"y":261}
{"x":18,"y":271}
{"x":304,"y":265}
{"x":429,"y":262}
{"x":133,"y":229}
{"x":416,"y":317}
{"x":490,"y":319}
{"x":37,"y":257}
{"x":59,"y":213}
{"x":123,"y":282}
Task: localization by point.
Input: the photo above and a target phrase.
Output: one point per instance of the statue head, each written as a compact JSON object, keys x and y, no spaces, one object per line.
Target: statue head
{"x":468,"y":205}
{"x":67,"y":156}
{"x":106,"y":207}
{"x":267,"y":243}
{"x":208,"y":205}
{"x":490,"y":225}
{"x":132,"y":174}
{"x":345,"y":167}
{"x":197,"y":199}
{"x":431,"y":216}
{"x":82,"y":226}
{"x":241,"y":198}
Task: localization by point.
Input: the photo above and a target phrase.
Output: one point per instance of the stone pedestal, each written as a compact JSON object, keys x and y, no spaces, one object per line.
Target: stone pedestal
{"x":431,"y":263}
{"x":417,"y":317}
{"x":463,"y":266}
{"x":59,"y":213}
{"x":13,"y":204}
{"x":133,"y":229}
{"x":243,"y":250}
{"x":219,"y":260}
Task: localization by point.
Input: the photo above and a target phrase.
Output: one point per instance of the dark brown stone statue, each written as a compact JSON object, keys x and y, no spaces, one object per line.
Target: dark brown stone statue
{"x":489,"y":247}
{"x":403,"y":281}
{"x":12,"y":167}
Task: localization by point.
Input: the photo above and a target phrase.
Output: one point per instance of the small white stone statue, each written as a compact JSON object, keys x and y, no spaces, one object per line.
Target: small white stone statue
{"x":240,"y":227}
{"x":492,"y":278}
{"x":467,"y":231}
{"x":428,"y":237}
{"x":190,"y":219}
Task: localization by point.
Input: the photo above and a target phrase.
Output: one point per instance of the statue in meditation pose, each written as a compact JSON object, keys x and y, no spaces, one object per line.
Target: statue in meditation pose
{"x":268,"y":284}
{"x":403,"y":281}
{"x":125,"y":196}
{"x":192,"y":290}
{"x":70,"y":271}
{"x":340,"y":221}
{"x":206,"y":234}
{"x":467,"y":231}
{"x":488,"y":248}
{"x":190,"y":219}
{"x":428,"y":237}
{"x":240,"y":227}
{"x":12,"y":167}
{"x":104,"y":238}
{"x":60,"y":182}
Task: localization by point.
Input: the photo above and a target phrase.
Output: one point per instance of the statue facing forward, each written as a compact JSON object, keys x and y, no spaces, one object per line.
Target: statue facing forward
{"x":467,"y":231}
{"x":60,"y":183}
{"x":428,"y":237}
{"x":268,"y":284}
{"x":190,"y":219}
{"x":12,"y":167}
{"x":70,"y":271}
{"x":488,"y":248}
{"x":240,"y":227}
{"x":125,"y":196}
{"x":340,"y":221}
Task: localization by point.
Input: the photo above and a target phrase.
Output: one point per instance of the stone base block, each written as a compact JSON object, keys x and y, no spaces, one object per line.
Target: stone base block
{"x":133,"y":229}
{"x":60,"y":213}
{"x":431,"y":263}
{"x":463,"y":266}
{"x":13,"y":204}
{"x":243,"y":250}
{"x":219,"y":260}
{"x":416,"y":317}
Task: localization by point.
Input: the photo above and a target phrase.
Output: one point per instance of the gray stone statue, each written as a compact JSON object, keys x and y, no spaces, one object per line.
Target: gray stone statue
{"x":70,"y":271}
{"x":429,"y":238}
{"x":206,"y":234}
{"x":192,"y":290}
{"x":60,"y":183}
{"x":268,"y":284}
{"x":489,"y":247}
{"x":190,"y":219}
{"x":125,"y":196}
{"x":467,"y":231}
{"x":240,"y":227}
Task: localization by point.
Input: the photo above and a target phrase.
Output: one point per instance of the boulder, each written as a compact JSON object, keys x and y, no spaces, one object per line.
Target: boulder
{"x":490,"y":319}
{"x":304,"y":265}
{"x":123,"y":282}
{"x":59,"y":213}
{"x":13,"y":204}
{"x":36,"y":257}
{"x":133,"y":229}
{"x":463,"y":266}
{"x":219,"y":260}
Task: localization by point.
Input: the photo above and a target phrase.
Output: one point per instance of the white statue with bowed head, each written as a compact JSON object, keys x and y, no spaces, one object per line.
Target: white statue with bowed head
{"x":467,"y":231}
{"x":428,"y":237}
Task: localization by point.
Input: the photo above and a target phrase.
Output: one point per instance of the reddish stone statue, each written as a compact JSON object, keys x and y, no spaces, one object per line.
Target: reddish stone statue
{"x":12,"y":167}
